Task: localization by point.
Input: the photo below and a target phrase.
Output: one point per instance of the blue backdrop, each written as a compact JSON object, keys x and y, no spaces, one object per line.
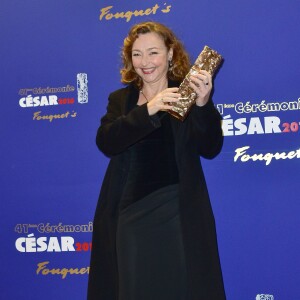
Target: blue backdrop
{"x":59,"y":62}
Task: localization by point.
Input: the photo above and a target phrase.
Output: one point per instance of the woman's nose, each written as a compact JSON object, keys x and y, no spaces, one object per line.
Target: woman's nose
{"x":144,"y":60}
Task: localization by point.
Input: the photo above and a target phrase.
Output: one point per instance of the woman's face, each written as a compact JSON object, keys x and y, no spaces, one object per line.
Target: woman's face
{"x":150,"y":57}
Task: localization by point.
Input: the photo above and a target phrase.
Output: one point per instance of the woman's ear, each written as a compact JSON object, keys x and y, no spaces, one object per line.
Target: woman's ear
{"x":170,"y":54}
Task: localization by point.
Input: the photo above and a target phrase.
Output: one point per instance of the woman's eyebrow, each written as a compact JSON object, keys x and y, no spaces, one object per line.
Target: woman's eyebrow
{"x":149,"y":49}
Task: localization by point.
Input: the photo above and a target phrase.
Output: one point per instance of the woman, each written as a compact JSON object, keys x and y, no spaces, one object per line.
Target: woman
{"x":154,"y":233}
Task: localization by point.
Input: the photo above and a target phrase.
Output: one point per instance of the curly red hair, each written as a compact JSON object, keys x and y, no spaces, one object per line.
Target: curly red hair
{"x":180,"y":61}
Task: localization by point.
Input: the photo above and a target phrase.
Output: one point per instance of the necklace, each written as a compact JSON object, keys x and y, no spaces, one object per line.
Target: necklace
{"x":141,"y":91}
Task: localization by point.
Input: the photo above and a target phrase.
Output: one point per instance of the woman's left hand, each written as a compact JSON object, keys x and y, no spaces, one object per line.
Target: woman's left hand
{"x":202,"y":84}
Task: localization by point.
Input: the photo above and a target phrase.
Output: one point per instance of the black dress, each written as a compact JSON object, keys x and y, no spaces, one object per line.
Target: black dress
{"x":150,"y":254}
{"x":200,"y":135}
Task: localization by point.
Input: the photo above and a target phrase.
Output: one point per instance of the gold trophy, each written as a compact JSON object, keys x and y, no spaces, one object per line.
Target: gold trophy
{"x":208,"y":60}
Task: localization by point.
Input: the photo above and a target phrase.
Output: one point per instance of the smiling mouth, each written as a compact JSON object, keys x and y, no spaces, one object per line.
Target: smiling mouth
{"x":148,"y":71}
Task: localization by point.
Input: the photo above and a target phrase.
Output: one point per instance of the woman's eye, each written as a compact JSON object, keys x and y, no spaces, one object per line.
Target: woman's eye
{"x":153,"y":53}
{"x":135,"y":54}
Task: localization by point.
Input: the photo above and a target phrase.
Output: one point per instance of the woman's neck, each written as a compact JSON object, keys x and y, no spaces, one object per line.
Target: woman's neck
{"x":152,"y":89}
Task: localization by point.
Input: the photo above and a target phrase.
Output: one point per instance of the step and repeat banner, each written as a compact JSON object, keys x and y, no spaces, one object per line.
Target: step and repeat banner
{"x":59,"y":62}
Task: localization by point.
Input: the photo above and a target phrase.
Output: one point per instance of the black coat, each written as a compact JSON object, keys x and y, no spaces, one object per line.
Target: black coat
{"x":199,"y":135}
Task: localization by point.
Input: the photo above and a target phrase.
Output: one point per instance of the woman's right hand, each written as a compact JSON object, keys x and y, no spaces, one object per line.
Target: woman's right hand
{"x":163,"y":100}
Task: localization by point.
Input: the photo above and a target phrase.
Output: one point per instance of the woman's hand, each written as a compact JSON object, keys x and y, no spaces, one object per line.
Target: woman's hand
{"x":202,"y":84}
{"x":163,"y":100}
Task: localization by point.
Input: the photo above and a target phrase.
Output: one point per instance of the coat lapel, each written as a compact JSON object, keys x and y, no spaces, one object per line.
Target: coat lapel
{"x":131,"y":98}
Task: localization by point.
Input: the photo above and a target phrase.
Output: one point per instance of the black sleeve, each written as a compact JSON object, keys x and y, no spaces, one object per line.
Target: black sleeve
{"x":118,"y":131}
{"x":206,"y":129}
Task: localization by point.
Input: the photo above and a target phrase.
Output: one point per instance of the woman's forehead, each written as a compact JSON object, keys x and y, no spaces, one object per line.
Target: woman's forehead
{"x":147,"y":41}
